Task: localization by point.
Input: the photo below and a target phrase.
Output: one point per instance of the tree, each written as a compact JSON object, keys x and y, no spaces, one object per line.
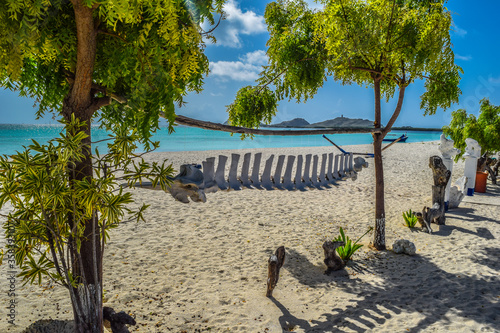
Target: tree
{"x":485,"y":129}
{"x":382,"y":44}
{"x":122,"y":63}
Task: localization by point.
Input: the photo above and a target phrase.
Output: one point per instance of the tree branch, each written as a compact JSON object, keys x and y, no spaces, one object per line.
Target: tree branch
{"x":182,"y":120}
{"x":433,"y":79}
{"x":211,"y":30}
{"x":279,"y":74}
{"x":388,"y":37}
{"x":395,"y":115}
{"x":98,"y":103}
{"x":70,"y":77}
{"x":363,"y":68}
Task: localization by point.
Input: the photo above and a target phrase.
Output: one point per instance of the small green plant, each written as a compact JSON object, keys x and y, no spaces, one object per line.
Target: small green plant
{"x":410,"y":219}
{"x":345,"y":252}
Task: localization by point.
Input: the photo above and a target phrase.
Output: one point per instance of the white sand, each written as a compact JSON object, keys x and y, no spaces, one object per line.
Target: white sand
{"x":200,"y":266}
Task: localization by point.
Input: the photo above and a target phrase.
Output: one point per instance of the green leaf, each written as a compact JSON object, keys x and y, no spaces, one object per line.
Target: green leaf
{"x":485,"y":129}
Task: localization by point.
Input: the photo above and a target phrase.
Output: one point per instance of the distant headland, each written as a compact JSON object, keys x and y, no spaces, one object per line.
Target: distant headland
{"x":339,"y":122}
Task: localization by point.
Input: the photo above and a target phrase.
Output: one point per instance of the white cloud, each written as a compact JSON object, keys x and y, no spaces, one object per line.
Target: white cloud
{"x":237,"y":22}
{"x":258,"y":57}
{"x":249,"y":22}
{"x":246,"y":69}
{"x":459,"y":31}
{"x":235,"y":70}
{"x":465,"y":58}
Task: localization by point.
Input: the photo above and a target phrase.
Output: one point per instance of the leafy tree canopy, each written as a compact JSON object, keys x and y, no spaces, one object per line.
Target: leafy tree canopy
{"x":356,"y":41}
{"x":485,"y":129}
{"x":149,"y":54}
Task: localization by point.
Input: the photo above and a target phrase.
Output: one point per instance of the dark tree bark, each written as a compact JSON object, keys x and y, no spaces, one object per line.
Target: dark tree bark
{"x":494,"y":173}
{"x":379,"y":233}
{"x":81,"y":103}
{"x":441,"y":176}
{"x":489,"y":165}
{"x":275,"y":263}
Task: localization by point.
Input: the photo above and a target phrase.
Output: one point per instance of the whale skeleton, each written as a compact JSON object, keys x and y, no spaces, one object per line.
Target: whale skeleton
{"x":290,"y":173}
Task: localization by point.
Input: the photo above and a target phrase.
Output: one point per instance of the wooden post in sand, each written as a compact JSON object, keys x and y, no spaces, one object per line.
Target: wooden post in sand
{"x":441,"y":177}
{"x":276,"y":261}
{"x":332,"y":260}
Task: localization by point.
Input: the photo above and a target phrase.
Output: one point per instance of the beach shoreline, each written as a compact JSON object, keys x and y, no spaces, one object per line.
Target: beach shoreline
{"x":203,"y":266}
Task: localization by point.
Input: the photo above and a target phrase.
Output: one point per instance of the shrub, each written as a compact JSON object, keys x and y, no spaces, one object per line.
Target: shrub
{"x":410,"y":219}
{"x":345,"y":252}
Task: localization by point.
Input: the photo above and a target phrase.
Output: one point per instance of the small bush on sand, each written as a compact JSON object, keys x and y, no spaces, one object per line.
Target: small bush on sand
{"x":345,"y":252}
{"x":410,"y":219}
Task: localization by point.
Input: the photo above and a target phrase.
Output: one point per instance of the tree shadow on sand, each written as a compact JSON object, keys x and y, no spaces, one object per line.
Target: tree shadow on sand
{"x":51,"y":325}
{"x":307,"y":273}
{"x":432,"y":295}
{"x":447,"y":230}
{"x":490,"y":257}
{"x":467,"y":214}
{"x":415,"y":284}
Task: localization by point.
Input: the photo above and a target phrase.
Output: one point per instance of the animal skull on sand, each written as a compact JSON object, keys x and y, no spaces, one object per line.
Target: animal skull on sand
{"x":188,"y":183}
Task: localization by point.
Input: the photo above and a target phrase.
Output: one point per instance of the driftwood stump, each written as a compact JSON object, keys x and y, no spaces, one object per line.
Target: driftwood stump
{"x":494,"y":169}
{"x":441,"y":176}
{"x":485,"y":163}
{"x":440,"y":173}
{"x":423,"y":222}
{"x":332,"y":260}
{"x":117,"y":321}
{"x":276,"y":261}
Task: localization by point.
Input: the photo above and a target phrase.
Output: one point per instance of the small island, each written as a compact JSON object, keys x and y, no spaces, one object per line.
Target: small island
{"x":339,"y":122}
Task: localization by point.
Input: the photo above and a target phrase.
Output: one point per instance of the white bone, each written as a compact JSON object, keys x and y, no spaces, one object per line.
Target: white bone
{"x":277,"y":172}
{"x":219,"y":173}
{"x":299,"y":184}
{"x":245,"y":180}
{"x":287,"y":178}
{"x":255,"y":178}
{"x":234,"y":183}
{"x":266,"y":176}
{"x":307,"y":168}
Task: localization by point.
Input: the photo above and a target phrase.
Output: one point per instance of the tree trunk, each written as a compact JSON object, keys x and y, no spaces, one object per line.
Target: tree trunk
{"x":88,"y":263}
{"x":441,"y":176}
{"x":379,"y":233}
{"x":80,"y":102}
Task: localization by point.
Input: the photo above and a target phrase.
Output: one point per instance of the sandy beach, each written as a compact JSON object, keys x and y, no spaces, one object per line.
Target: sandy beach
{"x":203,"y":266}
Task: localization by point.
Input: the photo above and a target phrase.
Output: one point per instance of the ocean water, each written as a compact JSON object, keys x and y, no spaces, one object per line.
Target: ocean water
{"x":14,"y":137}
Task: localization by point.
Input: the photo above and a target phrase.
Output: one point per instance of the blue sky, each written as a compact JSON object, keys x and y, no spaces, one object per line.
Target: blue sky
{"x":236,"y":60}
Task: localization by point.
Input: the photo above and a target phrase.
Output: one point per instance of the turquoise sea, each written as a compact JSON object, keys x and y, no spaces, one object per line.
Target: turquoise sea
{"x":14,"y":137}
